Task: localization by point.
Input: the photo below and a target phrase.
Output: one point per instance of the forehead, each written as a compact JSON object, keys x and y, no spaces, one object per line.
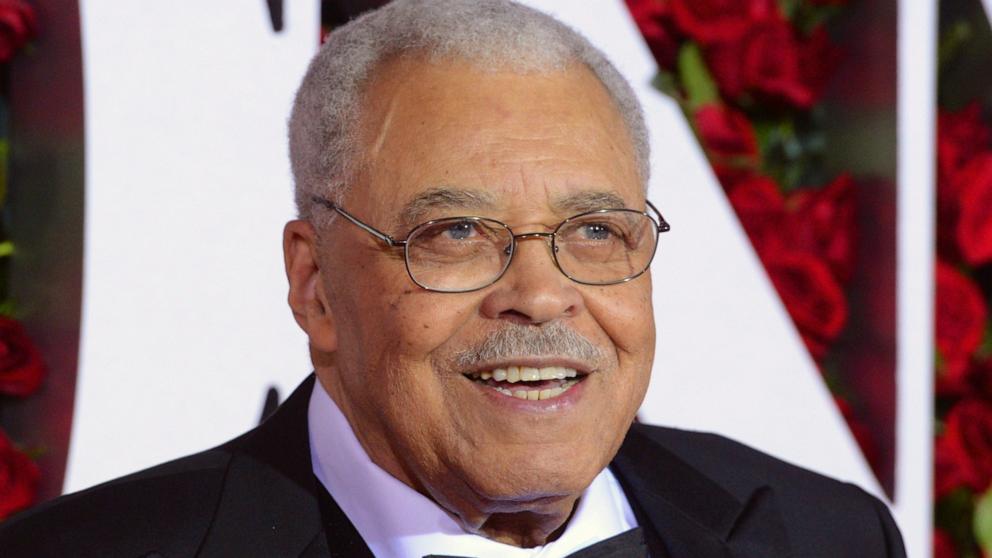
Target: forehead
{"x":502,"y":139}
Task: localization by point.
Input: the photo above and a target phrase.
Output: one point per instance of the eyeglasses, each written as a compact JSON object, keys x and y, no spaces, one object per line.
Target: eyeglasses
{"x":464,"y":254}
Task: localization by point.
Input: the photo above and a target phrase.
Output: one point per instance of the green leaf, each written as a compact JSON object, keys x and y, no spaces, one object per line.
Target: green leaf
{"x":952,"y":39}
{"x":982,"y":522}
{"x":788,"y":7}
{"x":811,"y":17}
{"x":953,"y":513}
{"x":8,"y":309}
{"x":699,"y":86}
{"x":35,"y":453}
{"x":985,"y":349}
{"x":667,"y":83}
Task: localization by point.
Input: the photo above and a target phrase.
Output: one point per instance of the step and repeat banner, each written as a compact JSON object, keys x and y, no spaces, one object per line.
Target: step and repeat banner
{"x":184,"y":328}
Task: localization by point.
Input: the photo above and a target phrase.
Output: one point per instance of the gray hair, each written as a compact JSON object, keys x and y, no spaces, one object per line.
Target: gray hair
{"x":516,"y":341}
{"x":492,"y":34}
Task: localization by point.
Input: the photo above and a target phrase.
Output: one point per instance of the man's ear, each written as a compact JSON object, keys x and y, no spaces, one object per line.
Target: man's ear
{"x":307,"y":298}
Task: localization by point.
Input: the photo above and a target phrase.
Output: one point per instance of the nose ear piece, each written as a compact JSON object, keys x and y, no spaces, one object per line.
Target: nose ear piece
{"x":509,"y":247}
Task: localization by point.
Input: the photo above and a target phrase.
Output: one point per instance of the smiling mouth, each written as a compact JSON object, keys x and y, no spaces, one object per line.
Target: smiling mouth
{"x":524,"y":382}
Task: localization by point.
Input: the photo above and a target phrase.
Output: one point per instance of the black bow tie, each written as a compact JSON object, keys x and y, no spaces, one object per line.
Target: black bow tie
{"x":629,"y":544}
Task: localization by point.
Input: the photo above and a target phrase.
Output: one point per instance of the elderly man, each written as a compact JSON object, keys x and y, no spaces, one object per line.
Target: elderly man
{"x":471,"y":268}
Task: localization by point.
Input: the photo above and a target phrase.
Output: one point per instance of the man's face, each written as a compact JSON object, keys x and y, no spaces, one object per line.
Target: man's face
{"x":528,"y":150}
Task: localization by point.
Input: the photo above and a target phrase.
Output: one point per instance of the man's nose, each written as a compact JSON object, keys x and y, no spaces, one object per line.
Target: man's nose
{"x":533,"y":290}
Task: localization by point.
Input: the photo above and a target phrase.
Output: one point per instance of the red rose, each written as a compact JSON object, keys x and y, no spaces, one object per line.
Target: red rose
{"x":761,"y":210}
{"x":811,"y":294}
{"x":654,"y":18}
{"x":728,"y":139}
{"x":710,"y":21}
{"x":818,"y":60}
{"x":17,"y":26}
{"x":724,"y":61}
{"x":960,"y":323}
{"x":794,"y":247}
{"x":943,"y":545}
{"x":767,"y":63}
{"x":973,"y":229}
{"x":950,"y":468}
{"x":771,"y":64}
{"x":952,"y":379}
{"x":960,"y":136}
{"x":968,"y":433}
{"x":822,"y":222}
{"x":18,"y":479}
{"x":21,"y":367}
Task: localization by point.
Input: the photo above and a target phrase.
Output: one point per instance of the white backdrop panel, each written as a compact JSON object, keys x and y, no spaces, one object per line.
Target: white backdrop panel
{"x":917,"y":48}
{"x":184,"y":319}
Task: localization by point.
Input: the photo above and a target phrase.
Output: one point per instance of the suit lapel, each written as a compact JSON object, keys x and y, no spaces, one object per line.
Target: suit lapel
{"x":271,"y":502}
{"x":690,"y":514}
{"x":269,"y":505}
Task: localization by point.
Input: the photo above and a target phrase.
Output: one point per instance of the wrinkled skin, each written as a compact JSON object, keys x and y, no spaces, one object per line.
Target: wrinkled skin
{"x":383,"y":348}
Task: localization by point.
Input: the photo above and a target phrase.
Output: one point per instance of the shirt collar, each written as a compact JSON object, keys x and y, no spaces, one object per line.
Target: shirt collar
{"x":398,"y":522}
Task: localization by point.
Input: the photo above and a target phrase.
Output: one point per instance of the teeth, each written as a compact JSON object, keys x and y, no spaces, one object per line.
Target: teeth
{"x":514,"y":374}
{"x":537,"y":395}
{"x":529,"y":374}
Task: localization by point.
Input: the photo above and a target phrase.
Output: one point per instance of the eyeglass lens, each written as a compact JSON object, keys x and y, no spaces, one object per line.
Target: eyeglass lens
{"x":463,"y":254}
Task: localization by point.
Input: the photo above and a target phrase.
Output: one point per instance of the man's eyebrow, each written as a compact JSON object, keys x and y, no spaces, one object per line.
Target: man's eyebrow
{"x":444,"y":198}
{"x":589,"y":200}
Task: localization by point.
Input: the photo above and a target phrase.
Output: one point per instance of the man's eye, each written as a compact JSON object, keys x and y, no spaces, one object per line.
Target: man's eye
{"x":596,"y":231}
{"x":460,"y":231}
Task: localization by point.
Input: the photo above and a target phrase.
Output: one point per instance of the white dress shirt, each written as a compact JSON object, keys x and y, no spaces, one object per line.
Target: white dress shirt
{"x":396,"y":521}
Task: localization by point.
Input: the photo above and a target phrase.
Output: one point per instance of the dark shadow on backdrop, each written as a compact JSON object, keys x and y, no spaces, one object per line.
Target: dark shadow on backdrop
{"x":862,"y":138}
{"x":45,"y":210}
{"x":335,"y":13}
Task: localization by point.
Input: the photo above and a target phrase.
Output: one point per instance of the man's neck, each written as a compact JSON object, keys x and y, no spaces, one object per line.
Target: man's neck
{"x":396,"y":520}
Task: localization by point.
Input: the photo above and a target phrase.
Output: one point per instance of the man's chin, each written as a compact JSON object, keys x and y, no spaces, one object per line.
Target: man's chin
{"x":537,"y":490}
{"x":523,"y":521}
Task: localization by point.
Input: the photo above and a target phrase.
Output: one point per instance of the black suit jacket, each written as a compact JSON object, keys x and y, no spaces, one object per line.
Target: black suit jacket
{"x":696,"y":495}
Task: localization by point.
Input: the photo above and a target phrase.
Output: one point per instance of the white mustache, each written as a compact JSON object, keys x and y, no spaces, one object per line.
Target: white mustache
{"x":520,"y":341}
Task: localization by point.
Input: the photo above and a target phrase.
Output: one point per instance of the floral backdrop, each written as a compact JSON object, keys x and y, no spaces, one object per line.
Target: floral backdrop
{"x":963,"y":444}
{"x":21,"y":365}
{"x":750,"y":76}
{"x":963,"y":437}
